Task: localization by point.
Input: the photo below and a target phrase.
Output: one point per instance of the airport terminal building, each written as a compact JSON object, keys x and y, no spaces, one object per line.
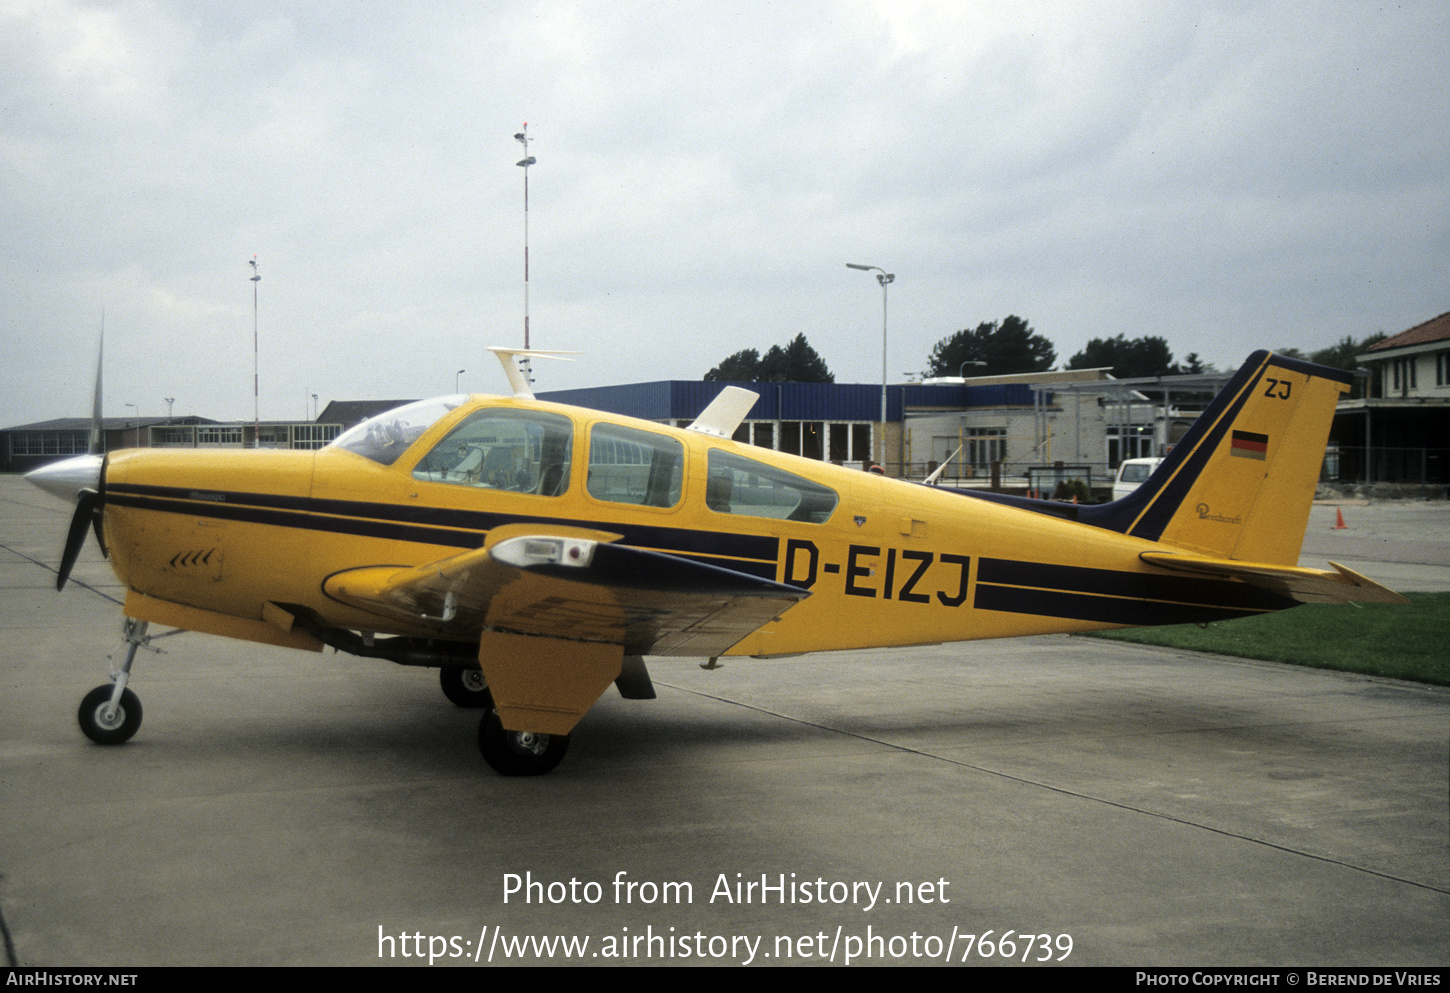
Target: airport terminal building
{"x":984,"y":429}
{"x":1019,"y":424}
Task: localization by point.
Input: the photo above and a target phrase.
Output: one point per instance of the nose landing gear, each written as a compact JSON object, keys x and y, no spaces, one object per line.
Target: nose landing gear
{"x":111,"y":714}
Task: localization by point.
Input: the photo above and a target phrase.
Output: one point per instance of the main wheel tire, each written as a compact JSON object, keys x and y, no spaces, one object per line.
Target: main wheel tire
{"x":464,"y":686}
{"x":119,"y":728}
{"x":518,"y":753}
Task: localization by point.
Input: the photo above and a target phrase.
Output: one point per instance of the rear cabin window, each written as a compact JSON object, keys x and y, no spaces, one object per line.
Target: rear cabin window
{"x":517,"y":450}
{"x":627,"y":465}
{"x":737,"y":485}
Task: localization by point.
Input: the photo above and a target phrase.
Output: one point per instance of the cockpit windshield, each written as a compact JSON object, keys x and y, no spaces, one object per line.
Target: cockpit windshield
{"x":388,"y":435}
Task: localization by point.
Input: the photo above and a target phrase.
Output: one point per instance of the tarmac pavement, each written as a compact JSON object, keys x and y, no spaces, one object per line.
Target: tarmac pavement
{"x":1151,"y":807}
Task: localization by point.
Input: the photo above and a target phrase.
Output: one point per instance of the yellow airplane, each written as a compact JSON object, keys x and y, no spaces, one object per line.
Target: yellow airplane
{"x":536,"y":552}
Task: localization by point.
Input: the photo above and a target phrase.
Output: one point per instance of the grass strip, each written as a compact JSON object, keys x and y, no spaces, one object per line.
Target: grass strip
{"x":1399,"y":641}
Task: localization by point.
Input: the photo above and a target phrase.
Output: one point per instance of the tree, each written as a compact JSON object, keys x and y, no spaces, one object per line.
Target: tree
{"x":993,"y":349}
{"x":1341,"y":355}
{"x":1192,"y":365}
{"x":1128,"y":358}
{"x":797,"y":362}
{"x":741,"y":367}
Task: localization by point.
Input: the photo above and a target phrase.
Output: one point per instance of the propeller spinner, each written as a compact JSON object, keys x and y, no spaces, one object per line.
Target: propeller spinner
{"x":79,"y":480}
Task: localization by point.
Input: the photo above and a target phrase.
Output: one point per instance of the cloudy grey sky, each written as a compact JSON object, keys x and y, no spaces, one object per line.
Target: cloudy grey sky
{"x":1227,"y":175}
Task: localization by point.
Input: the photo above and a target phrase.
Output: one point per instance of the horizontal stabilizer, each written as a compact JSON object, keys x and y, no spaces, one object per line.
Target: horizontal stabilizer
{"x":1305,"y":585}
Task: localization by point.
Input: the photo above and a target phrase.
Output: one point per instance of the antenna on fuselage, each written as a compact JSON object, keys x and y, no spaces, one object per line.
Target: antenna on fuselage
{"x":725,"y":412}
{"x":518,"y":378}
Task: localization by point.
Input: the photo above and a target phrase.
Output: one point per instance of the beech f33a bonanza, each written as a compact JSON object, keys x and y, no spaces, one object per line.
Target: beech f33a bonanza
{"x":535,"y":552}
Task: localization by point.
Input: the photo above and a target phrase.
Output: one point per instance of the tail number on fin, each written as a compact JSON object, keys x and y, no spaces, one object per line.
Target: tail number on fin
{"x":1278,"y":389}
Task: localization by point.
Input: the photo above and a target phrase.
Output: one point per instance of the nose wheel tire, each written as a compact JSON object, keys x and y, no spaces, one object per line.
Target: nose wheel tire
{"x":518,"y":753}
{"x":465,"y":687}
{"x":120,"y":726}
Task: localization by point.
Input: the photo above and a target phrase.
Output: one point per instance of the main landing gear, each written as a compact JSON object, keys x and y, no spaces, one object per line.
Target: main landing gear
{"x":111,"y":715}
{"x":510,"y":753}
{"x":518,"y":753}
{"x":465,"y":686}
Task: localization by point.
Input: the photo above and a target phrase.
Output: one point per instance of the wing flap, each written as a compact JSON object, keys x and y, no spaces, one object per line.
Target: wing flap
{"x":577,"y":588}
{"x":1305,"y":585}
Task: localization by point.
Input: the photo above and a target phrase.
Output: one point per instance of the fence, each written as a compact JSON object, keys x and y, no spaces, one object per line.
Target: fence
{"x":1348,"y":464}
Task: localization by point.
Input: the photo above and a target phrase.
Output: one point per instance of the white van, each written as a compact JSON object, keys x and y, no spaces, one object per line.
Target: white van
{"x":1131,"y":474}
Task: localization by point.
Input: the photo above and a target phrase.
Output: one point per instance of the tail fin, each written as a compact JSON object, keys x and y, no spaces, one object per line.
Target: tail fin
{"x":1240,"y":483}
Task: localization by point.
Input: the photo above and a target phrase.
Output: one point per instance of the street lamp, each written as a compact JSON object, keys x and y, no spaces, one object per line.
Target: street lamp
{"x":456,"y":376}
{"x":256,"y":415}
{"x":884,"y":278}
{"x":962,"y":369}
{"x":523,"y":139}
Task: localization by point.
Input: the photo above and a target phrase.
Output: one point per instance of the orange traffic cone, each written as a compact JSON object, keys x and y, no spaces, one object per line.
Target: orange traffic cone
{"x":1339,"y":524}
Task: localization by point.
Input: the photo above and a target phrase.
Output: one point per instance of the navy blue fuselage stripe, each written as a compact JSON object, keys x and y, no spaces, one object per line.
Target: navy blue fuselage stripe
{"x":1115,"y":597}
{"x":753,"y":554}
{"x":1106,"y":610}
{"x":308,"y":522}
{"x":1132,"y":585}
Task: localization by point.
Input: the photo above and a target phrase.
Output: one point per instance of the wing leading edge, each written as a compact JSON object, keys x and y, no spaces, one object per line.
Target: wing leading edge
{"x":576,"y":586}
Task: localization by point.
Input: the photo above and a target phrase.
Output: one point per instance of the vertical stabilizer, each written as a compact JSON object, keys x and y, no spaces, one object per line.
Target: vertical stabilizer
{"x":1240,"y":483}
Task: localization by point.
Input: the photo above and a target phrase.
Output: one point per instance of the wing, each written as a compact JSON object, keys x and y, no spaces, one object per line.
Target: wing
{"x":576,"y":588}
{"x":1305,"y":585}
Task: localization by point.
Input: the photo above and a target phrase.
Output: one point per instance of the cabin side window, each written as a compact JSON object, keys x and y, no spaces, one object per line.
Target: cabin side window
{"x":737,"y":485}
{"x":520,"y":451}
{"x":627,"y":465}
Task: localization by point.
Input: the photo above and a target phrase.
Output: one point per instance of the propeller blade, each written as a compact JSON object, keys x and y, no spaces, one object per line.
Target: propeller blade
{"x":96,"y":523}
{"x":98,"y":430}
{"x":97,"y":518}
{"x":88,"y":505}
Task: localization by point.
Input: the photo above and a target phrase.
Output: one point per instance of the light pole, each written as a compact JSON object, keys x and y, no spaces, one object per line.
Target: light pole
{"x":456,"y":377}
{"x":523,"y":139}
{"x":256,"y":416}
{"x":885,"y":279}
{"x":962,"y":369}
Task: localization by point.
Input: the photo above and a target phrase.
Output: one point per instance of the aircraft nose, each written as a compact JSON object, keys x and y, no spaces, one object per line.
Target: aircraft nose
{"x":66,"y":478}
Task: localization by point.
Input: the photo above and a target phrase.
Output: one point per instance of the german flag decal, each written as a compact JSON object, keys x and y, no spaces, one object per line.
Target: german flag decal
{"x":1248,"y":445}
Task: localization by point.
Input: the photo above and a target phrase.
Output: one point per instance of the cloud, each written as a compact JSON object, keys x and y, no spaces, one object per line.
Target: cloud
{"x":1226,"y":175}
